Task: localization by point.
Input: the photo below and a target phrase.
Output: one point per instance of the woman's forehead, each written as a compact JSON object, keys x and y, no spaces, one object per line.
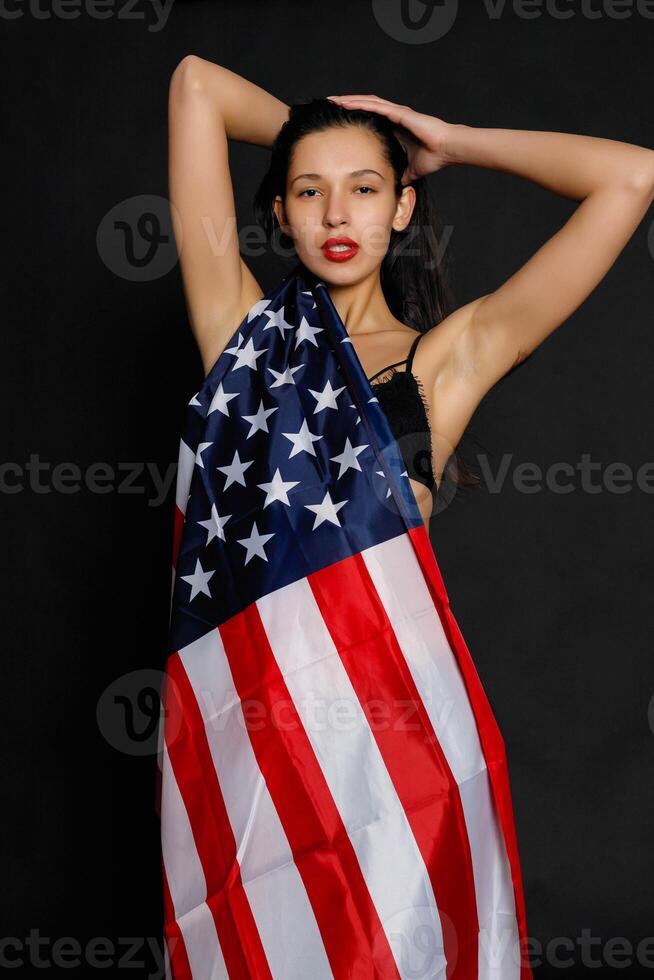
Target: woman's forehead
{"x":338,"y":151}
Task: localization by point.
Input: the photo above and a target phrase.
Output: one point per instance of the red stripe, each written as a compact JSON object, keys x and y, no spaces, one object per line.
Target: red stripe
{"x":179,"y":964}
{"x":490,"y":736}
{"x":362,"y":633}
{"x":196,"y":777}
{"x":355,"y":942}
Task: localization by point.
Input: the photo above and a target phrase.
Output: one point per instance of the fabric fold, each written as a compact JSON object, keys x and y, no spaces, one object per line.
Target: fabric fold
{"x":335,"y":797}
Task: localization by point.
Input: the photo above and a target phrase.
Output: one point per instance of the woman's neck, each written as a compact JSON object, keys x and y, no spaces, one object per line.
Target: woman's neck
{"x":362,"y":306}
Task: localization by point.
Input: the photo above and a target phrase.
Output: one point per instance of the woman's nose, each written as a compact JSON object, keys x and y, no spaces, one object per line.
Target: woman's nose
{"x":335,"y":213}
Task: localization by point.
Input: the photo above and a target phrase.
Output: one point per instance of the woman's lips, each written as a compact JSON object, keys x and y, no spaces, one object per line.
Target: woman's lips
{"x":340,"y":253}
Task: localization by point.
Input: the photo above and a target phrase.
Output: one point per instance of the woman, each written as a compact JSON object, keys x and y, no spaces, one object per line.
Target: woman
{"x":302,"y":849}
{"x":454,"y":366}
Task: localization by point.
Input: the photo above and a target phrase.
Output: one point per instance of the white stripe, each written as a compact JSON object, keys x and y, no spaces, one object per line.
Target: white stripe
{"x":202,"y":946}
{"x":355,"y":771}
{"x":187,"y":883}
{"x":276,"y":893}
{"x":183,"y":868}
{"x":185,"y":464}
{"x":402,"y":589}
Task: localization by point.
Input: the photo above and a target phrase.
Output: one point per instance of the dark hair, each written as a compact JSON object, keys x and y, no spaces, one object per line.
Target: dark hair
{"x":412,"y":272}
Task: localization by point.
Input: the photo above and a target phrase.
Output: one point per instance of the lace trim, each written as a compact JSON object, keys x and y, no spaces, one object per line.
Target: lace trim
{"x":381,"y":374}
{"x":419,"y":385}
{"x":391,"y":372}
{"x":383,"y":371}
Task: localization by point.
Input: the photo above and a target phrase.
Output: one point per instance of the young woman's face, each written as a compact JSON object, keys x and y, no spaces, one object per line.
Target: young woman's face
{"x":339,"y":185}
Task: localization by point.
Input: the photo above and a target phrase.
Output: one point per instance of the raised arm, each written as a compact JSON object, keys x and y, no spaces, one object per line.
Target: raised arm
{"x":480,"y":342}
{"x":614,"y":182}
{"x":207,"y":105}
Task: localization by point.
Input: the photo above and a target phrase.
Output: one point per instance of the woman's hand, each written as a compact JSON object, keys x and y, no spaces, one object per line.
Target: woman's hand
{"x":423,"y":137}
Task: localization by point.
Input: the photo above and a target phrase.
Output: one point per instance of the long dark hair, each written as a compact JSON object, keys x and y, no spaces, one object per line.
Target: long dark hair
{"x":413,"y":270}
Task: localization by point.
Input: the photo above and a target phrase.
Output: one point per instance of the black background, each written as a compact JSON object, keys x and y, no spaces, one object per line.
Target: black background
{"x":552,"y":590}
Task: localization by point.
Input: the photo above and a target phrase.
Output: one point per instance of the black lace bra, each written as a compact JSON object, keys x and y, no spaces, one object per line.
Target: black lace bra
{"x":402,"y":399}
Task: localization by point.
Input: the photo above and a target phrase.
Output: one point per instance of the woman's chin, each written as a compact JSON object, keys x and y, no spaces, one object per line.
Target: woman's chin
{"x":336,"y":273}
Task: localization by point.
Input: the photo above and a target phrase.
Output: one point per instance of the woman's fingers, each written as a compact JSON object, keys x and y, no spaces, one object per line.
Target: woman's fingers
{"x":395,"y":112}
{"x":401,"y":115}
{"x":351,"y":96}
{"x":363,"y":98}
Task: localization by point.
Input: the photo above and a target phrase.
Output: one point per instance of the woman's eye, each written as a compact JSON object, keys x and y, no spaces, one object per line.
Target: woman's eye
{"x":311,"y":191}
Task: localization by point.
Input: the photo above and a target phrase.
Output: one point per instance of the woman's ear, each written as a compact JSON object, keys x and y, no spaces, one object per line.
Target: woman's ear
{"x":404,"y":209}
{"x":278,"y":208}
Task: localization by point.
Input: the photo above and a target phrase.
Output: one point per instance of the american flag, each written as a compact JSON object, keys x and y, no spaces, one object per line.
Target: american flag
{"x":335,"y":798}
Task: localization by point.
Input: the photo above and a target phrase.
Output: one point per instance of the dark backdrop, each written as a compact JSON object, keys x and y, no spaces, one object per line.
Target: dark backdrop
{"x":552,"y":590}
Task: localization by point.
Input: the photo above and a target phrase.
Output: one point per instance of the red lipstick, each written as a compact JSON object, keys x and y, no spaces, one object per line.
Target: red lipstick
{"x":341,"y":253}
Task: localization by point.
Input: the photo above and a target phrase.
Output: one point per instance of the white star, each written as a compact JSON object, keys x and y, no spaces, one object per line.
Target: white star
{"x":358,"y":418}
{"x":214,"y":525}
{"x":346,"y":340}
{"x":277,"y":320}
{"x":277,"y":489}
{"x":201,"y":448}
{"x":302,"y":440}
{"x":254,"y":544}
{"x":246,"y":355}
{"x":326,"y":398}
{"x":198,"y":580}
{"x":285,"y":377}
{"x":239,"y":341}
{"x":194,"y":399}
{"x":257,"y":308}
{"x":306,"y":332}
{"x":258,"y":421}
{"x":307,"y":292}
{"x":403,"y":473}
{"x":234,"y":472}
{"x":220,"y":400}
{"x":326,"y":511}
{"x":381,"y":473}
{"x":348,"y":458}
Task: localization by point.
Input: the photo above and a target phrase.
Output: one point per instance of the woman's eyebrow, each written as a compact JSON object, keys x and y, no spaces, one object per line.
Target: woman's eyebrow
{"x":355,"y":173}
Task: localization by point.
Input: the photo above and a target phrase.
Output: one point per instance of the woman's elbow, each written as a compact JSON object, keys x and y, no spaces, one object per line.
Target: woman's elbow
{"x":189,"y":75}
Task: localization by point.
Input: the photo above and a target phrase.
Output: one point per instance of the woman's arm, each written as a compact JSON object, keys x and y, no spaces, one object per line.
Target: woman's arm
{"x":480,"y":342}
{"x":207,"y":105}
{"x":614,"y":182}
